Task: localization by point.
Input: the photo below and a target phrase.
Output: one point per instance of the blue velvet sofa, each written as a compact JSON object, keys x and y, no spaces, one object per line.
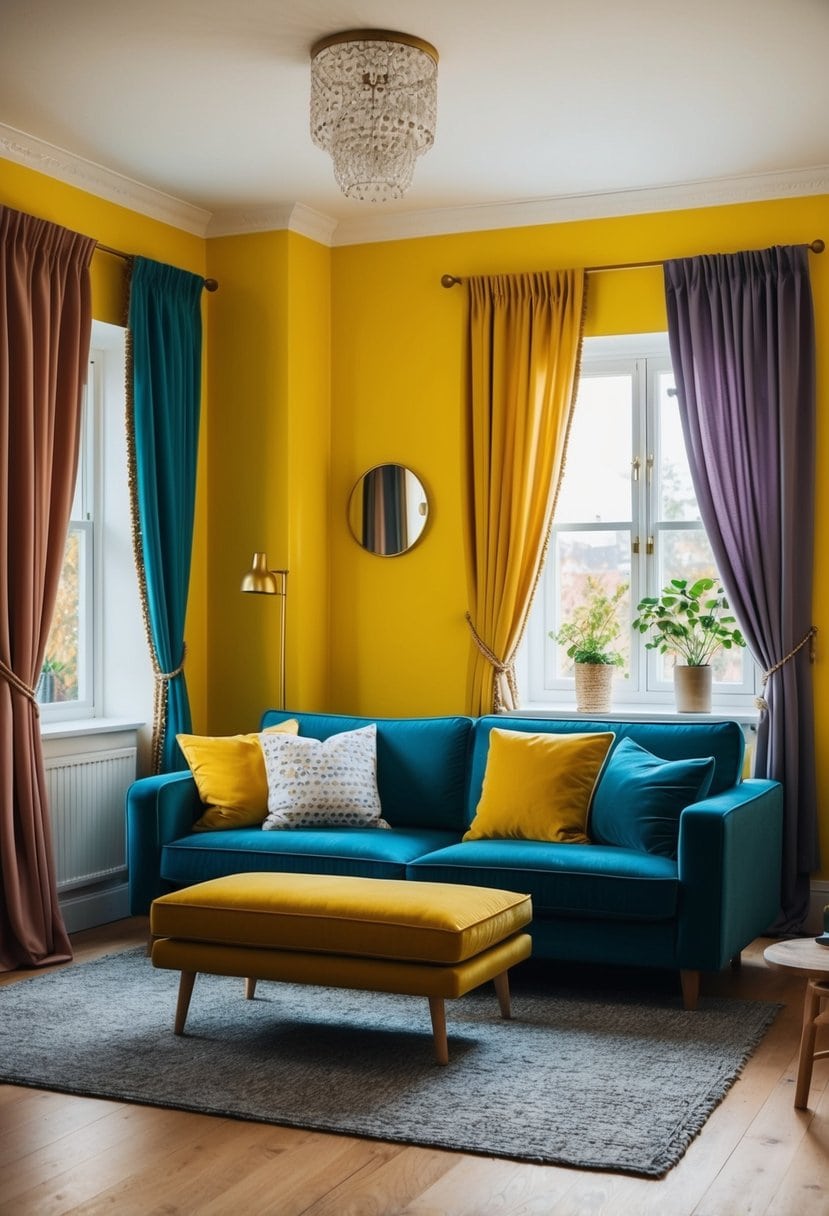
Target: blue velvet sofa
{"x":592,"y":903}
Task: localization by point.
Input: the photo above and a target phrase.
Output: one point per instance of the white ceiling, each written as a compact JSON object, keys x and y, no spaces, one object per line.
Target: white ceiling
{"x":207,"y":100}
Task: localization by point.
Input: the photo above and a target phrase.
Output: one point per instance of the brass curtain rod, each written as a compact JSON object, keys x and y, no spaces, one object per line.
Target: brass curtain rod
{"x":451,"y":280}
{"x":209,"y":284}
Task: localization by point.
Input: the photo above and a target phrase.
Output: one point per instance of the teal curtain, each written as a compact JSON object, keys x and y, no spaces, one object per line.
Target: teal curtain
{"x":165,"y":339}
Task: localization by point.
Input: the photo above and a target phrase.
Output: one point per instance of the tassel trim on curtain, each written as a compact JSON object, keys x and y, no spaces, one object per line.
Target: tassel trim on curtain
{"x":161,"y":679}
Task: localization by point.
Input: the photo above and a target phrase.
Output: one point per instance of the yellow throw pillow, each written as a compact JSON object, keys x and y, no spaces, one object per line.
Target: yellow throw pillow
{"x":539,"y":786}
{"x":229,"y":771}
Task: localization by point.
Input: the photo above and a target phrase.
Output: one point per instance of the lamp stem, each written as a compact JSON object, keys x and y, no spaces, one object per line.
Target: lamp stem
{"x":283,"y":596}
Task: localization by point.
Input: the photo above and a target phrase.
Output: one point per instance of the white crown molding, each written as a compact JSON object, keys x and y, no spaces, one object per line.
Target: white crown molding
{"x":104,"y":183}
{"x":717,"y":192}
{"x":296,"y":217}
{"x":406,"y":225}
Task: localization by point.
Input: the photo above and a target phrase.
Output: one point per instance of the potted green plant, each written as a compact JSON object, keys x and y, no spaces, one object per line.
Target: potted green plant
{"x":589,"y":636}
{"x":692,"y":621}
{"x":51,"y":676}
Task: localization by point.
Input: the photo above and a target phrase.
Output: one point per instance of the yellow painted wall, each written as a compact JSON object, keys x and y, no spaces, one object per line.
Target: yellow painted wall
{"x":264,"y":445}
{"x":398,"y":640}
{"x":121,"y":228}
{"x":269,"y":376}
{"x":323,"y":363}
{"x":309,"y":473}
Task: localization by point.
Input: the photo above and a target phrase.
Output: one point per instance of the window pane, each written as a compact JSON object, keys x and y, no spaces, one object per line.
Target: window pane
{"x":676,"y":498}
{"x":684,"y":553}
{"x":61,"y":672}
{"x":596,"y":482}
{"x":603,"y":556}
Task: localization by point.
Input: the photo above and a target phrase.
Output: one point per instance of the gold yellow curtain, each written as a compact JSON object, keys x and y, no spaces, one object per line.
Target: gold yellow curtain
{"x":524,"y":347}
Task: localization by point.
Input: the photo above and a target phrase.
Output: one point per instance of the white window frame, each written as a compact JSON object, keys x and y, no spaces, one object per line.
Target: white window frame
{"x":644,"y":357}
{"x":85,"y":522}
{"x":121,"y":686}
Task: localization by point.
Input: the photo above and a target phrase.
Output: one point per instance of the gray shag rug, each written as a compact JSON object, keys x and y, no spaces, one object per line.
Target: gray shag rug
{"x":589,"y":1079}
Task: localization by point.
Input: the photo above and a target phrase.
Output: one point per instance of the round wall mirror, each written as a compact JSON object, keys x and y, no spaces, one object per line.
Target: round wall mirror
{"x":387,"y":510}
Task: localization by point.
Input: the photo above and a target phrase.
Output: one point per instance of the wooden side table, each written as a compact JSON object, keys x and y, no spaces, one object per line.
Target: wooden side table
{"x":805,"y":955}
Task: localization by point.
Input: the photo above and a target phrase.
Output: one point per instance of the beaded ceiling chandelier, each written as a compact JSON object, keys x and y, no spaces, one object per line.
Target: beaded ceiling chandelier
{"x":373,"y":108}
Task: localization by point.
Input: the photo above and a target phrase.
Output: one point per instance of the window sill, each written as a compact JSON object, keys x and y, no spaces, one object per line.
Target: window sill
{"x":71,"y":728}
{"x":745,"y":715}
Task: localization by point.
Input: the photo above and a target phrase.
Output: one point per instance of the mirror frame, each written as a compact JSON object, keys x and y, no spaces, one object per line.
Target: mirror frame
{"x":355,"y":510}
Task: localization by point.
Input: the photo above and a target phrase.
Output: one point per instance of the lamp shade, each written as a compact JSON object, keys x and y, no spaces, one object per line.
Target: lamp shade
{"x":259,"y":578}
{"x":263,"y":581}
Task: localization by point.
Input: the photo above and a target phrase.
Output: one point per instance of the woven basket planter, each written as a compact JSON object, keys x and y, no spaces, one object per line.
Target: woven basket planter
{"x":594,"y":687}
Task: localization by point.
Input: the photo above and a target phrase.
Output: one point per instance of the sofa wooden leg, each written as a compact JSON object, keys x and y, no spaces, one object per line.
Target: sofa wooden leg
{"x":437,"y":1009}
{"x":501,"y":983}
{"x":690,"y":988}
{"x":185,"y":991}
{"x":250,"y":988}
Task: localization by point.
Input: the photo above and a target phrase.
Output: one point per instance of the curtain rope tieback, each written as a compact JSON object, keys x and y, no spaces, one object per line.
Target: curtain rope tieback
{"x":20,"y":686}
{"x":162,"y":677}
{"x":760,"y":701}
{"x":500,"y":667}
{"x":161,"y":693}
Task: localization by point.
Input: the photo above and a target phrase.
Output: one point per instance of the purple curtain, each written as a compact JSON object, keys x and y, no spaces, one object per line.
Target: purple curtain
{"x":742,"y":341}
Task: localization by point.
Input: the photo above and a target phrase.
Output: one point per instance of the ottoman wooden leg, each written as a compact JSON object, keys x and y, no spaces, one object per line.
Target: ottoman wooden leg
{"x":437,"y":1009}
{"x":501,"y":983}
{"x":185,"y":991}
{"x":250,"y":988}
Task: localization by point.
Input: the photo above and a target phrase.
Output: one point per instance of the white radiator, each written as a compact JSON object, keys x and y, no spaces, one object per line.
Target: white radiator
{"x":86,"y":804}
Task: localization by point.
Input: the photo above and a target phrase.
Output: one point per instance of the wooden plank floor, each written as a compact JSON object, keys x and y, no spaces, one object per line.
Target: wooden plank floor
{"x":756,"y":1154}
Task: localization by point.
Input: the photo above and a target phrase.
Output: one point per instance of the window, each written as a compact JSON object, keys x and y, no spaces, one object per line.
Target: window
{"x":626,"y":513}
{"x":97,"y":662}
{"x":66,"y":687}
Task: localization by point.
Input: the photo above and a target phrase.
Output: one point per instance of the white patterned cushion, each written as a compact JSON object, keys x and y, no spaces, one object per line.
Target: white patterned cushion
{"x":314,"y":784}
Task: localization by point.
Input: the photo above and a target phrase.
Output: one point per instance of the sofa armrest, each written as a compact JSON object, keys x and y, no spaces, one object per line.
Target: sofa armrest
{"x":159,"y":809}
{"x":729,"y":857}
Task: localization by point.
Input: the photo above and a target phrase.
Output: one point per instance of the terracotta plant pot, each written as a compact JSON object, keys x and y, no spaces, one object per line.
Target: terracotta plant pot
{"x":593,"y":687}
{"x":692,"y":689}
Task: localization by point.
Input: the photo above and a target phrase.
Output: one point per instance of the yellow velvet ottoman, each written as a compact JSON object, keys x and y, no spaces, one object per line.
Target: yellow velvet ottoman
{"x":436,"y":940}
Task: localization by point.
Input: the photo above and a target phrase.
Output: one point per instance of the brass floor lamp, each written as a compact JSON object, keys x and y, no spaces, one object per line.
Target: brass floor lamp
{"x":262,"y":581}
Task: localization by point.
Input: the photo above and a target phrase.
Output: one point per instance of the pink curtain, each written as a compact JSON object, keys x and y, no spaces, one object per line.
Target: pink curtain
{"x":45,"y":324}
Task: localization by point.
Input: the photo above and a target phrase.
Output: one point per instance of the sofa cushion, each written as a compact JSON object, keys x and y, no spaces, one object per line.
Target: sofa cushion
{"x":640,"y":797}
{"x":578,"y":880}
{"x":314,"y":783}
{"x":229,"y":772}
{"x":724,"y":741}
{"x":359,"y":851}
{"x":421,"y":764}
{"x":538,"y":786}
